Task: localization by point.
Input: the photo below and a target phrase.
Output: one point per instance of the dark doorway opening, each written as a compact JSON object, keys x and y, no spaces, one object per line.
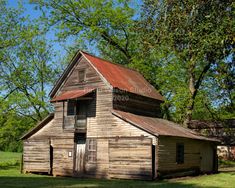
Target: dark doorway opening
{"x":51,"y":159}
{"x":153,"y":161}
{"x":215,"y":161}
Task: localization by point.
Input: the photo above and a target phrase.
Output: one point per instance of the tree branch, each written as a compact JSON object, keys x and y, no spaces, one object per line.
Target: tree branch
{"x":107,"y":38}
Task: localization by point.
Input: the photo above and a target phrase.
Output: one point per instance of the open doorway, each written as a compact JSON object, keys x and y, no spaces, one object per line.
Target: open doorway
{"x":153,"y":161}
{"x":51,"y":159}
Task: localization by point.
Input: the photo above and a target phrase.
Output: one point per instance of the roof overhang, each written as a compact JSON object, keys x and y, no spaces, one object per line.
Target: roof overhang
{"x":74,"y":94}
{"x":115,"y":112}
{"x":160,"y":127}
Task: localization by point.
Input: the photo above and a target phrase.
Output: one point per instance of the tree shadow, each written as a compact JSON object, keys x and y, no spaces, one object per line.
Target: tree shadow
{"x":8,"y":166}
{"x":37,"y":181}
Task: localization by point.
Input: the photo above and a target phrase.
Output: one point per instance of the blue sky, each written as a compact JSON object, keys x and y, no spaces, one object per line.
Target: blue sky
{"x":58,"y":47}
{"x":34,"y":14}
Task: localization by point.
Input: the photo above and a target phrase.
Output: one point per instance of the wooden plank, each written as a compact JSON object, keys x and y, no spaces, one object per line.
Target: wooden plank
{"x":130,"y":158}
{"x":193,"y":155}
{"x":36,"y":156}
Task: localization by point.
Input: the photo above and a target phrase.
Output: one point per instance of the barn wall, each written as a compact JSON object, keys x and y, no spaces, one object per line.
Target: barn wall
{"x":62,"y":142}
{"x":99,"y":168}
{"x":206,"y":151}
{"x":62,"y":162}
{"x":92,"y":78}
{"x":198,"y":155}
{"x":36,"y":156}
{"x":129,"y":102}
{"x":130,"y":158}
{"x":106,"y":126}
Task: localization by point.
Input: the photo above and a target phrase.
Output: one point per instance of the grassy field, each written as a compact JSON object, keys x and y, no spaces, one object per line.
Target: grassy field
{"x":10,"y":177}
{"x":9,"y":159}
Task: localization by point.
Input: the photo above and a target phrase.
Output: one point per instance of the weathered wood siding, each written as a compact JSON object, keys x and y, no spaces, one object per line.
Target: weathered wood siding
{"x":92,"y":78}
{"x":198,"y":155}
{"x":206,"y":151}
{"x":99,"y":168}
{"x":62,"y":162}
{"x":130,"y":158}
{"x":61,"y":141}
{"x":36,"y":156}
{"x":44,"y":132}
{"x":134,"y":103}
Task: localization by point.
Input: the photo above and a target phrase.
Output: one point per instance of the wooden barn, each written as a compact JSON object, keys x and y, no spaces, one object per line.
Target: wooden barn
{"x":221,"y":130}
{"x":107,"y":124}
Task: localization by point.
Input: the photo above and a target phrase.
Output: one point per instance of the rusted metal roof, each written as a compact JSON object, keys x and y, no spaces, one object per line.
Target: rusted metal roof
{"x":123,"y":78}
{"x":159,"y":127}
{"x":40,"y":125}
{"x":72,"y":94}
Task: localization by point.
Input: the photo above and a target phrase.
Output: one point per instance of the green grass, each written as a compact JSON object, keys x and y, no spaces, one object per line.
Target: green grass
{"x":223,"y":163}
{"x":9,"y":159}
{"x":10,"y":177}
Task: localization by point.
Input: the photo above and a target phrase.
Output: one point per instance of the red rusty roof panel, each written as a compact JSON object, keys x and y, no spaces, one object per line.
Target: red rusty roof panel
{"x":72,"y":94}
{"x":159,"y":127}
{"x":123,"y":78}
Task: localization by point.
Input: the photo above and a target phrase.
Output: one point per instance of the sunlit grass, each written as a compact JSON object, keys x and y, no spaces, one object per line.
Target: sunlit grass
{"x":9,"y":159}
{"x":11,"y":177}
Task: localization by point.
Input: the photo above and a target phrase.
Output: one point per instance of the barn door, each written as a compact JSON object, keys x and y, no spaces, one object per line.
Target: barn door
{"x":80,"y":153}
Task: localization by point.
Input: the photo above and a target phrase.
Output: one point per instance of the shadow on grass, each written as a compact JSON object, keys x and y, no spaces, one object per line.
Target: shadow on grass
{"x":47,"y":181}
{"x":9,"y":165}
{"x":10,"y":177}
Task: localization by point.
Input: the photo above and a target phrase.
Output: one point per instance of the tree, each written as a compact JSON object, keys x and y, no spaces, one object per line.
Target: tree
{"x":27,"y":72}
{"x":199,"y":34}
{"x":107,"y":24}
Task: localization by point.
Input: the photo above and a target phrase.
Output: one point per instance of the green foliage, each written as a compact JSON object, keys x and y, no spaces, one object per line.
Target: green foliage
{"x":224,"y":164}
{"x":105,"y":24}
{"x":27,"y":71}
{"x":200,"y":36}
{"x":11,"y":129}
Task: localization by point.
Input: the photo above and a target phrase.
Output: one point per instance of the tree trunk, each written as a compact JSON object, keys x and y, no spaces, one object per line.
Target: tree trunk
{"x":193,"y":91}
{"x":194,"y":85}
{"x":190,"y":106}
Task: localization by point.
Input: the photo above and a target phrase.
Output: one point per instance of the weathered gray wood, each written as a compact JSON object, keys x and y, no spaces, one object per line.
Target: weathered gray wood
{"x":36,"y":156}
{"x":130,"y":158}
{"x":197,"y":155}
{"x":134,"y":103}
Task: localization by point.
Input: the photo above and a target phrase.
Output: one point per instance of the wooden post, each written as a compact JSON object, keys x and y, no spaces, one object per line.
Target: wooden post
{"x":21,"y":163}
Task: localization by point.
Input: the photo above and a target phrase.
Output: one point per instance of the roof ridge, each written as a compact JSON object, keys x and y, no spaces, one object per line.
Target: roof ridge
{"x":108,"y":61}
